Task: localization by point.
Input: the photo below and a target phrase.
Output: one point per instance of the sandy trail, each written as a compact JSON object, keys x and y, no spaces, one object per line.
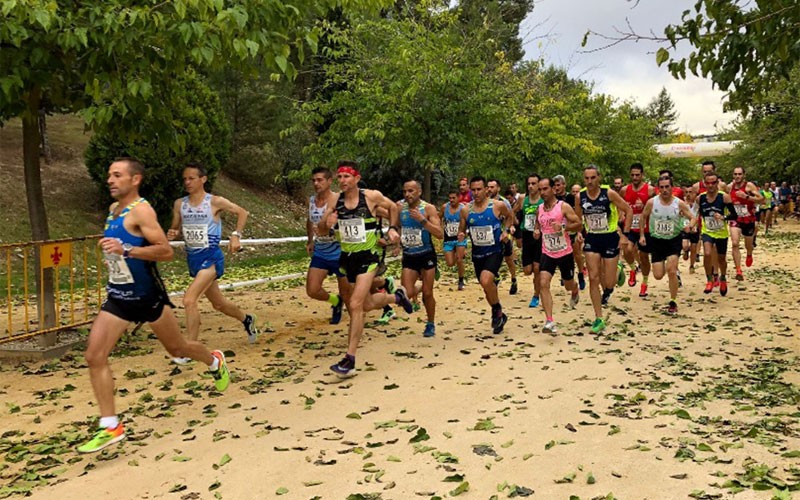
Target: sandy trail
{"x":658,"y":407}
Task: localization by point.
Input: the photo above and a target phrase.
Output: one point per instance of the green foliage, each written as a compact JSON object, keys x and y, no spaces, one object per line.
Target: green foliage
{"x":201,"y":124}
{"x":745,"y":47}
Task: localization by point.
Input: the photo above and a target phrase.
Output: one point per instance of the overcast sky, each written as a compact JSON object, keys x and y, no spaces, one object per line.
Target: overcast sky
{"x":555,"y":28}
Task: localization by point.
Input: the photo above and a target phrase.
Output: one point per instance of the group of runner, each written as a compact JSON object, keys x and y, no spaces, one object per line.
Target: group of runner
{"x":578,"y":233}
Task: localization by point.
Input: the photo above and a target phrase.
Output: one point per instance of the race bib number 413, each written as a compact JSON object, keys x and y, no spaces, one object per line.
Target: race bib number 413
{"x":352,"y":231}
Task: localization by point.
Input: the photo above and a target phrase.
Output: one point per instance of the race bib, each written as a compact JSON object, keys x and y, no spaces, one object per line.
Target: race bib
{"x":742,"y":211}
{"x":713,"y":224}
{"x":411,"y":237}
{"x":118,"y":271}
{"x":664,"y":227}
{"x":482,"y":236}
{"x":352,"y":231}
{"x":451,"y":228}
{"x":530,"y":221}
{"x":554,"y":242}
{"x":195,"y":235}
{"x":635,"y":221}
{"x":597,"y":222}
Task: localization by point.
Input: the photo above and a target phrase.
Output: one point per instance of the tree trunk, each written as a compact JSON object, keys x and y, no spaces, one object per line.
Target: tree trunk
{"x":36,"y":211}
{"x":45,"y":145}
{"x":426,"y":183}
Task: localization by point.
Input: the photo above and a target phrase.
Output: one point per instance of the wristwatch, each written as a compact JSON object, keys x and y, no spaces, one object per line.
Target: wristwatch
{"x":126,"y":249}
{"x":236,"y":233}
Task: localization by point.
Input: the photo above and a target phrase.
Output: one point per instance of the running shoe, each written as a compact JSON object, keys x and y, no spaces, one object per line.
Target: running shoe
{"x":643,"y":290}
{"x":415,"y":306}
{"x":581,"y":281}
{"x":739,"y":275}
{"x":430,"y":330}
{"x":252,"y":329}
{"x":621,"y":274}
{"x":498,"y":322}
{"x":598,"y":326}
{"x":631,"y":278}
{"x":182,"y":361}
{"x":573,"y":300}
{"x":222,"y":377}
{"x":716,"y":281}
{"x":673,"y":307}
{"x":460,"y":284}
{"x":748,"y":261}
{"x":345,"y":368}
{"x":709,"y":287}
{"x":513,"y":289}
{"x":550,"y":327}
{"x":336,"y":311}
{"x":401,"y":299}
{"x":534,"y":301}
{"x":723,"y":288}
{"x":103,"y":439}
{"x":604,"y":298}
{"x":390,"y":288}
{"x":388,"y":315}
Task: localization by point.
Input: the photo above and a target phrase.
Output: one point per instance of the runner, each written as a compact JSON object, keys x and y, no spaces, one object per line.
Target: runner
{"x":577,"y":247}
{"x":324,"y":250}
{"x":745,"y":196}
{"x":360,"y":256}
{"x":599,"y":206}
{"x":531,"y":246}
{"x":765,"y":212}
{"x":784,"y":197}
{"x":619,"y":183}
{"x":419,"y":221}
{"x":554,"y":220}
{"x":132,"y":243}
{"x":197,"y":217}
{"x":691,"y":237}
{"x":488,"y":222}
{"x":664,"y":214}
{"x":700,"y":188}
{"x":636,"y":195}
{"x":493,"y":187}
{"x":454,"y":250}
{"x":464,"y":194}
{"x":713,"y":206}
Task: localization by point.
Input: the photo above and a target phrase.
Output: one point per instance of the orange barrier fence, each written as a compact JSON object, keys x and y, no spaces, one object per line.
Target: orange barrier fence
{"x":70,"y":275}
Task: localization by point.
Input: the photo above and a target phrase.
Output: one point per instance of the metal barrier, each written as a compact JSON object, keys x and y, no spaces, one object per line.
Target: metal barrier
{"x":78,"y":282}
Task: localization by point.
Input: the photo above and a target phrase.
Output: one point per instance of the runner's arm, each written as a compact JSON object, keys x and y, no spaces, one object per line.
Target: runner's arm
{"x":756,"y":197}
{"x":145,"y":220}
{"x":462,"y":223}
{"x":573,"y":221}
{"x":434,"y":224}
{"x":379,"y":201}
{"x":329,"y":218}
{"x":645,"y":216}
{"x":686,"y":213}
{"x":622,"y":205}
{"x":175,"y":228}
{"x":310,"y":236}
{"x":732,"y":216}
{"x":223,"y":204}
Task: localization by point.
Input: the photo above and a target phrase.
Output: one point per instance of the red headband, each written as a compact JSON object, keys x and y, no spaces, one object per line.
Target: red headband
{"x":345,"y":169}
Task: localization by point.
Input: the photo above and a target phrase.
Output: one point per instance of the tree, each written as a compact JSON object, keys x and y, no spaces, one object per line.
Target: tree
{"x":500,"y":19}
{"x":662,"y":111}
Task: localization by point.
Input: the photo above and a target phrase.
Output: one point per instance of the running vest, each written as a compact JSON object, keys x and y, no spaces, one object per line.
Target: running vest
{"x":555,"y":242}
{"x":600,"y":216}
{"x":414,"y":238}
{"x":485,"y":230}
{"x":666,"y":222}
{"x":451,"y":222}
{"x":767,"y":194}
{"x":129,"y":279}
{"x":631,"y":195}
{"x":712,"y":227}
{"x":745,"y":209}
{"x":326,"y":247}
{"x":200,"y":229}
{"x":529,"y":211}
{"x":358,"y":228}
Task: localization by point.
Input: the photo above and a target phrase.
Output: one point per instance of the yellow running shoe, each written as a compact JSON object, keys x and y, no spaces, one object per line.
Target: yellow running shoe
{"x":102,"y":439}
{"x":222,"y":377}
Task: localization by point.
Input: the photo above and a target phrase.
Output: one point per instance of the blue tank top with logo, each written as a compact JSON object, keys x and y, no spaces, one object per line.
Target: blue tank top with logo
{"x":451,"y":222}
{"x":414,"y":238}
{"x":484,"y":230}
{"x":129,"y":279}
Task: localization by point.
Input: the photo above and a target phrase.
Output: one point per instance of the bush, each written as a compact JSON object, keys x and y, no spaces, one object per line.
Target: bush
{"x":200,"y":132}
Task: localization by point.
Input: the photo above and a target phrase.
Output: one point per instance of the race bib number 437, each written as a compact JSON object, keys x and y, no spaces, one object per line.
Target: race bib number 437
{"x":118,"y":271}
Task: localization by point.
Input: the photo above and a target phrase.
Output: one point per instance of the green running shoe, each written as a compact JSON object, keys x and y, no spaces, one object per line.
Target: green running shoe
{"x":222,"y":377}
{"x":599,"y":325}
{"x":620,"y":274}
{"x":103,"y":439}
{"x":387,"y":316}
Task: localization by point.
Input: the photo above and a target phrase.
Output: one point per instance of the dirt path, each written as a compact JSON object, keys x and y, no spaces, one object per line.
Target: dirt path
{"x":704,"y":404}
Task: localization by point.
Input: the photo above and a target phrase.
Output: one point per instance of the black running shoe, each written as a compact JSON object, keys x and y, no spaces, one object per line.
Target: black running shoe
{"x":336,"y":311}
{"x":498,"y":322}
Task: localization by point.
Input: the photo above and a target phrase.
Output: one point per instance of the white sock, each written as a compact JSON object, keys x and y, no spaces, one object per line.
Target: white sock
{"x":109,"y":422}
{"x":214,"y":366}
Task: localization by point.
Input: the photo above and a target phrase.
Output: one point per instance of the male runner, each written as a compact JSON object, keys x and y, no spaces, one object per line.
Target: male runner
{"x":691,"y":236}
{"x":599,"y":206}
{"x":665,"y":215}
{"x":132,"y":243}
{"x":197,"y":217}
{"x":636,"y":195}
{"x":765,"y":214}
{"x":454,"y":250}
{"x":488,"y":222}
{"x":554,"y":220}
{"x":464,"y":194}
{"x":493,"y":187}
{"x":715,"y":208}
{"x":745,"y":195}
{"x":577,"y":247}
{"x":419,"y":220}
{"x":700,"y":188}
{"x":528,"y":206}
{"x":353,"y":212}
{"x":619,"y":183}
{"x":323,"y":249}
